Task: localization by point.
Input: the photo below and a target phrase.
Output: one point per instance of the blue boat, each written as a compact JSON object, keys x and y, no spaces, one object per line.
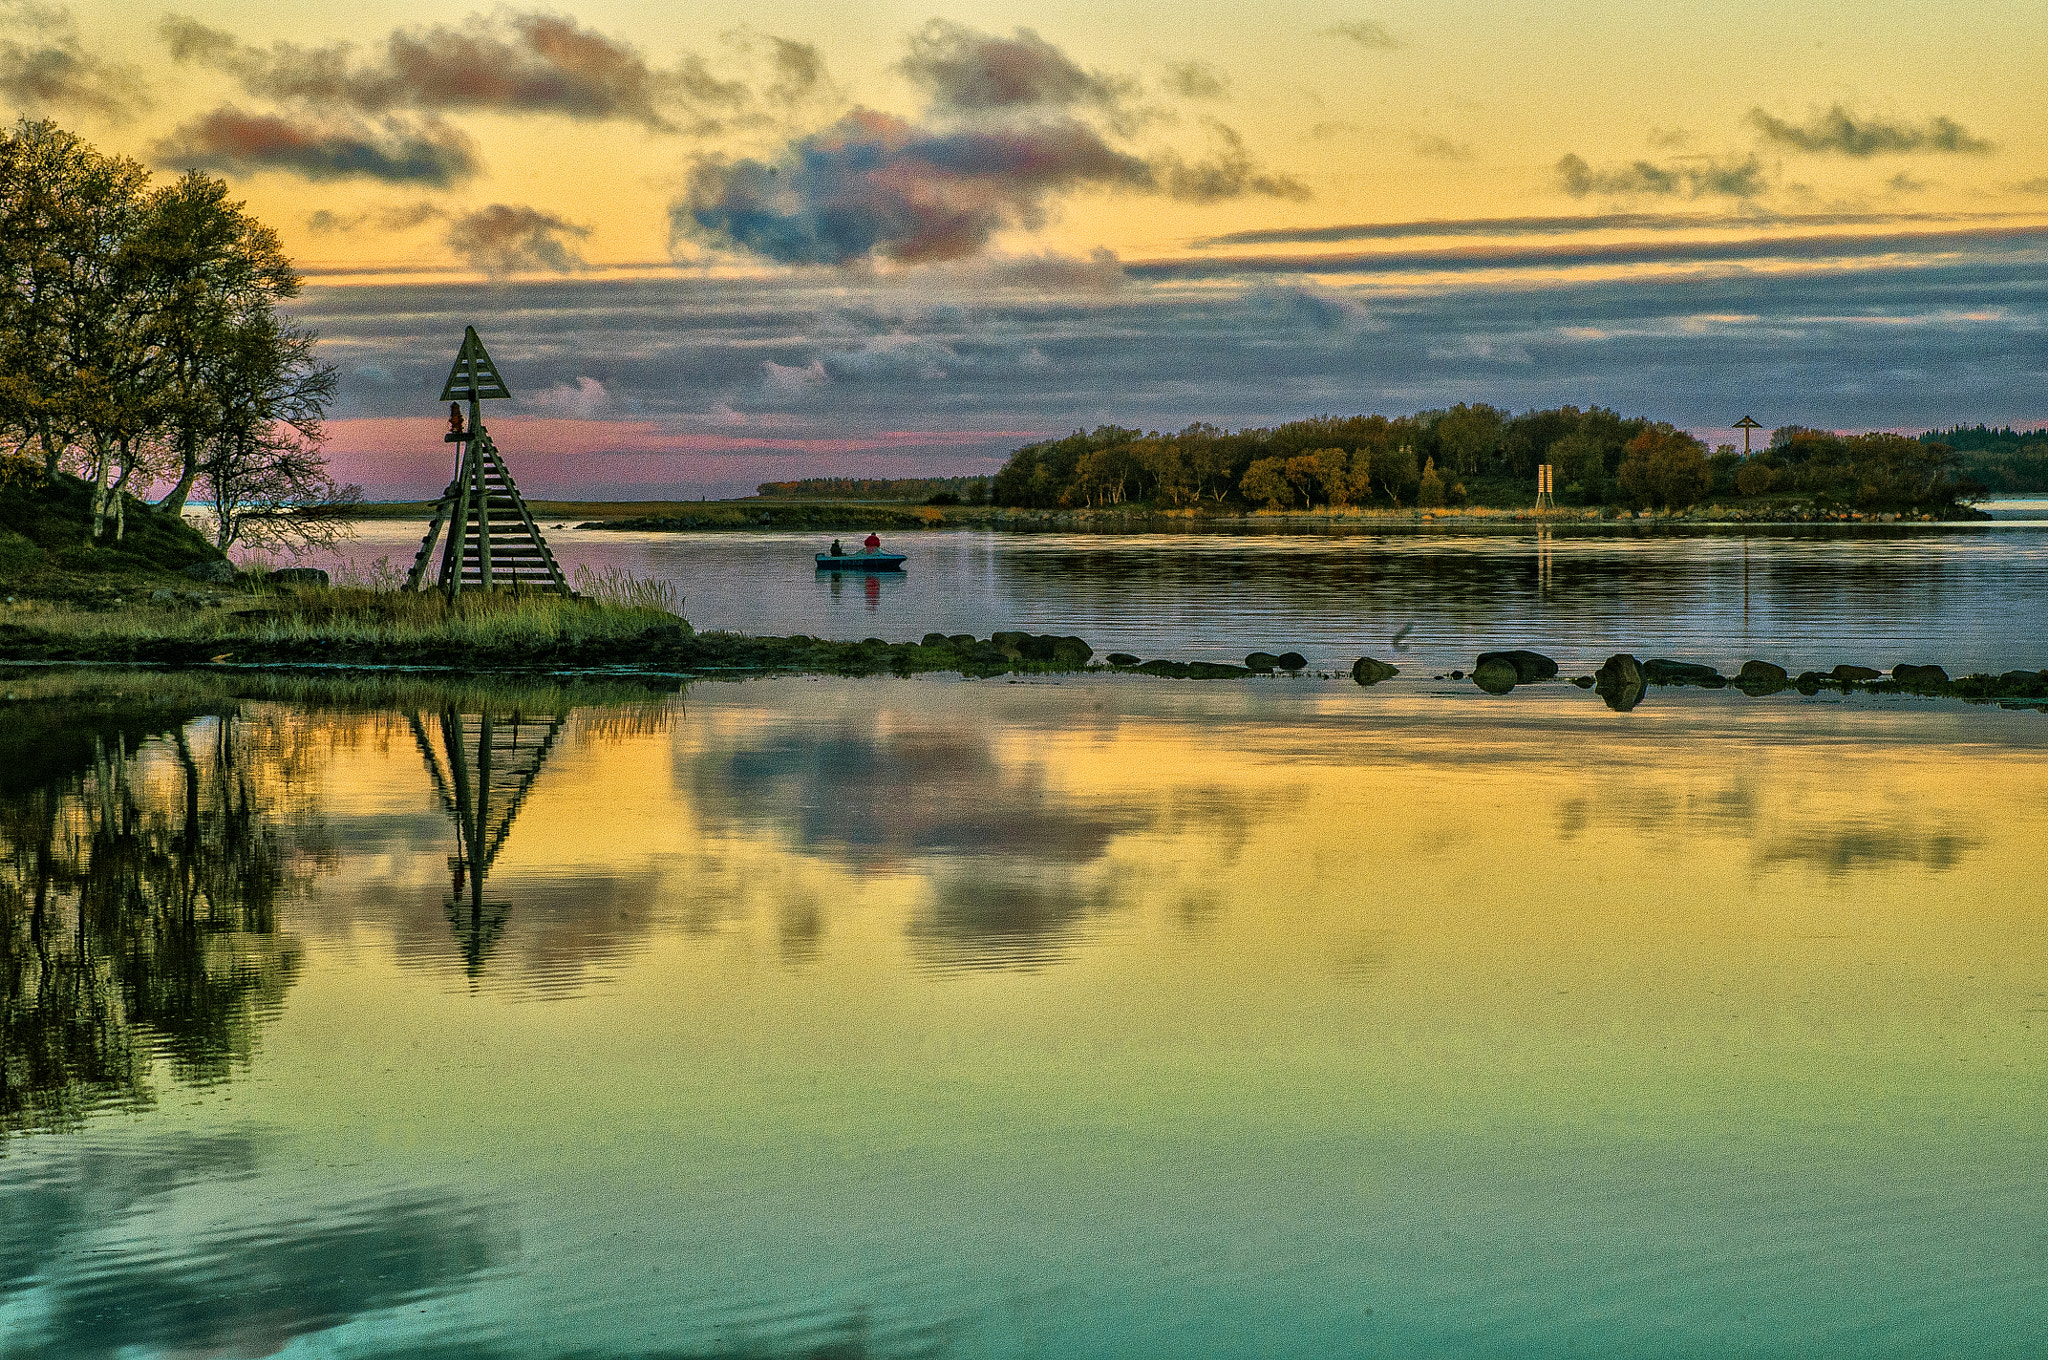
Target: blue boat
{"x":864,"y":561}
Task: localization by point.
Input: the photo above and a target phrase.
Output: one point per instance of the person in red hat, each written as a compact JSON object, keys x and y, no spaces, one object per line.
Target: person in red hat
{"x":873,"y":543}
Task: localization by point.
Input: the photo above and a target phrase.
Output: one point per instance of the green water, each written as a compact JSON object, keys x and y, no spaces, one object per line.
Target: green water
{"x":1105,"y":1017}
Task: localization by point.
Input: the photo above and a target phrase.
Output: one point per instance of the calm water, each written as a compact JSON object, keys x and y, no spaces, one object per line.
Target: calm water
{"x":1109,"y":1017}
{"x":1966,"y":597}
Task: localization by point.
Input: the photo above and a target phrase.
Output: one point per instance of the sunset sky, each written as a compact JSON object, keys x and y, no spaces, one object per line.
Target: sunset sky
{"x":714,"y":244}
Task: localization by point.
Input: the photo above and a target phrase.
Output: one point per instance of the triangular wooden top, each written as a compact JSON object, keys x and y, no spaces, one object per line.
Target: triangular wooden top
{"x":1749,"y":423}
{"x":474,"y":376}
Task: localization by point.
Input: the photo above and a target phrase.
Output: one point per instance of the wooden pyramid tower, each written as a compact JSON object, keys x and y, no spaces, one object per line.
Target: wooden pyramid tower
{"x":492,"y":539}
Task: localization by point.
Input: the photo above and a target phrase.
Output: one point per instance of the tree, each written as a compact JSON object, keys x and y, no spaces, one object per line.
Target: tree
{"x":1266,"y":480}
{"x":1665,"y":467}
{"x":1399,"y":476}
{"x":1431,"y":490}
{"x":263,"y":466}
{"x":209,"y":267}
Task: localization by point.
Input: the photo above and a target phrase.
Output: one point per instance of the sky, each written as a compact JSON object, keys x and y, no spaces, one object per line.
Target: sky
{"x":717,"y":244}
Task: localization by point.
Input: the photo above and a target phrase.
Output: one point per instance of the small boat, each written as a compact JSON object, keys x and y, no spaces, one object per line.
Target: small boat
{"x":861,"y":561}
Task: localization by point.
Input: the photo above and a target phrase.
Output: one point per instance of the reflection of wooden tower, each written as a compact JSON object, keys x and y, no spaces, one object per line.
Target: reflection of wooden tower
{"x":492,"y":539}
{"x":483,"y":768}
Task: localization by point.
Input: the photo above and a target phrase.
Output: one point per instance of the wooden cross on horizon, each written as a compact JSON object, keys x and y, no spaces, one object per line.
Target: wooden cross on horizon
{"x":1746,"y":424}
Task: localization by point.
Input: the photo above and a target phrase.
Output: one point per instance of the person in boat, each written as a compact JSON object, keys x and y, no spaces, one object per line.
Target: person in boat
{"x":837,"y":551}
{"x":873,"y":543}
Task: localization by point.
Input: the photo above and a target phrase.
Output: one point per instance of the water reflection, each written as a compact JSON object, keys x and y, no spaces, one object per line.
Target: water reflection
{"x":144,"y":855}
{"x":172,"y":1249}
{"x":483,"y":766}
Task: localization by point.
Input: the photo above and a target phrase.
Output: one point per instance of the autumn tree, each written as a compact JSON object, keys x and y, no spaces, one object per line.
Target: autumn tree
{"x":1664,"y":467}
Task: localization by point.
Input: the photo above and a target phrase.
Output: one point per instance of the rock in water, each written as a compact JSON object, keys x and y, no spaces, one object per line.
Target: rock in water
{"x":1367,"y":671}
{"x":1658,"y":671}
{"x":1292,"y":661}
{"x":1853,"y":675}
{"x":935,"y":640}
{"x":1214,"y":670}
{"x":1121,"y":659}
{"x":1761,"y":672}
{"x":1620,"y":682}
{"x":1261,"y":661}
{"x":1921,"y":679}
{"x":1529,"y":666}
{"x":1495,"y":674}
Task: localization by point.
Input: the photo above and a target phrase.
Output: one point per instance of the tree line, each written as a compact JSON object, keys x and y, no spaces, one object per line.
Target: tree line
{"x":931,"y":490}
{"x":1476,"y":453}
{"x":141,"y":343}
{"x":2003,"y":460}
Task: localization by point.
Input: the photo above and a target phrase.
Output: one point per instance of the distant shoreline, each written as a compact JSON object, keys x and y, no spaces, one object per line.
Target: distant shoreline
{"x":895,"y":516}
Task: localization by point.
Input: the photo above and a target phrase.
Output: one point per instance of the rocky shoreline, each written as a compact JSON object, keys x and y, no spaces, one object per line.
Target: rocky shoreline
{"x":1622,"y":681}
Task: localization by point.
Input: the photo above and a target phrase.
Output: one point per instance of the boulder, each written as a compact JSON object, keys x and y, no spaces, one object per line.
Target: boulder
{"x":1854,"y":675}
{"x":935,"y":640}
{"x":1261,"y":661}
{"x":1036,"y":648}
{"x":1920,"y":679}
{"x":1659,"y":671}
{"x":1811,"y":682}
{"x":299,"y":576}
{"x":1292,"y":661}
{"x":1071,"y":651}
{"x":1214,"y":670}
{"x":1620,"y":682}
{"x":2022,"y":685}
{"x":1121,"y":659}
{"x":163,"y":597}
{"x":1583,"y":681}
{"x":962,"y":639}
{"x":1761,"y":673}
{"x":220,"y":572}
{"x":1495,"y":674}
{"x":1367,"y":671}
{"x":1176,"y":669}
{"x":1529,"y":666}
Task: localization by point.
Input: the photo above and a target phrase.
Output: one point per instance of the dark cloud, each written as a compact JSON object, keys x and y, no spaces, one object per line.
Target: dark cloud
{"x":1229,"y":173}
{"x":46,"y":67}
{"x":1197,"y":80}
{"x":968,"y":72}
{"x":1572,"y":225}
{"x":2037,"y":185}
{"x":1469,"y":258}
{"x":1842,"y":133}
{"x":512,"y":62}
{"x":874,"y":185}
{"x":400,"y":152}
{"x":1433,"y":147}
{"x":1690,"y":177}
{"x":509,"y":239}
{"x":398,"y":217}
{"x":1365,"y":33}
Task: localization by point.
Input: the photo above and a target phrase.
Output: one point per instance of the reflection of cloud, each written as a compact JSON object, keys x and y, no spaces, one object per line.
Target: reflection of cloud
{"x":974,"y":922}
{"x":400,"y":152}
{"x":1844,"y":134}
{"x":1866,"y":847}
{"x":1580,"y":222}
{"x":52,"y":71}
{"x":239,"y":1287}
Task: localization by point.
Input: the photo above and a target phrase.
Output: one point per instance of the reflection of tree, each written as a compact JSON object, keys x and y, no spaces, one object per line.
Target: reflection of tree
{"x":483,"y":765}
{"x":139,"y":885}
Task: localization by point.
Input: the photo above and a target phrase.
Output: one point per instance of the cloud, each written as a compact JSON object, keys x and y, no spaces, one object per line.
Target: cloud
{"x":1197,"y":80}
{"x":1432,"y":147}
{"x":510,"y":239}
{"x":875,"y":185}
{"x":399,"y":217}
{"x":1570,"y":225}
{"x":400,"y":152}
{"x":1841,"y":133}
{"x":51,"y":70}
{"x":1903,"y":183}
{"x":1230,"y":173}
{"x":1363,"y":32}
{"x":968,"y":72}
{"x":2037,"y":185}
{"x":513,"y":62}
{"x":1691,"y":176}
{"x":586,"y":399}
